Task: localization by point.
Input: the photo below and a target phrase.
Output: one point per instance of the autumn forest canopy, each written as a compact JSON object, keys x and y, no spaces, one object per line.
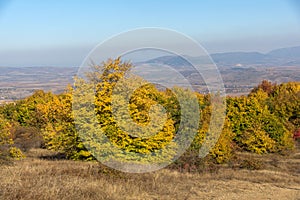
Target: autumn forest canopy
{"x":262,"y":122}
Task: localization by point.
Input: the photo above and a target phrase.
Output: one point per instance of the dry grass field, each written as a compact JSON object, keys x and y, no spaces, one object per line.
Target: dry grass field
{"x":278,"y":177}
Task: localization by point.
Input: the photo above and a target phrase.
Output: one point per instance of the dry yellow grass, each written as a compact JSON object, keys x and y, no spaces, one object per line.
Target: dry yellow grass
{"x":34,"y":178}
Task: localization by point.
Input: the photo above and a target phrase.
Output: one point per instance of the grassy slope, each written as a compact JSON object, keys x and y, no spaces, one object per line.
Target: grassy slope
{"x":35,"y":178}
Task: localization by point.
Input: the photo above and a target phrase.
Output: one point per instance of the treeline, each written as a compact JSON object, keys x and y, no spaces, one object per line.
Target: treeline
{"x":262,"y":122}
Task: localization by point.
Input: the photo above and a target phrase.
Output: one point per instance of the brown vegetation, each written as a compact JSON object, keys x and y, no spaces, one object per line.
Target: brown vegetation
{"x":36,"y":178}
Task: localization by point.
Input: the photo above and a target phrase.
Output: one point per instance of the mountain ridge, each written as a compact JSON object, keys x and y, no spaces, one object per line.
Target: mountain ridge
{"x":289,"y":56}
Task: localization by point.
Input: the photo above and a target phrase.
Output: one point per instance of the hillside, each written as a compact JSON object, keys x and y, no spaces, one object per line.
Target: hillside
{"x":38,"y":177}
{"x":51,"y":146}
{"x":278,"y":57}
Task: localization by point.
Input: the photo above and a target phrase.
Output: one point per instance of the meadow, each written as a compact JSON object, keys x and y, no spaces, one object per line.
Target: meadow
{"x":42,"y":175}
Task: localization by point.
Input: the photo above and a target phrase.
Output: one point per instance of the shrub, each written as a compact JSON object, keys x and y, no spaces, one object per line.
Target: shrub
{"x":256,"y":128}
{"x":16,"y":153}
{"x":251,"y":164}
{"x":7,"y":148}
{"x":224,"y":148}
{"x":257,"y":141}
{"x":27,"y":138}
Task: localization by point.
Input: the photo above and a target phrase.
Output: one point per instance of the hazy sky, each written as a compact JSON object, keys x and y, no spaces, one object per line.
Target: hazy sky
{"x":62,"y":32}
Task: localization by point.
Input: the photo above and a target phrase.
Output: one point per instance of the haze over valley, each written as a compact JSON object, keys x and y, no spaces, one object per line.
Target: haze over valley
{"x":241,"y":71}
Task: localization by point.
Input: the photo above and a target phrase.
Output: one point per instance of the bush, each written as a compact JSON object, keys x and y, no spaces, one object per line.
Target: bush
{"x":257,"y":141}
{"x":7,"y":148}
{"x":27,"y":138}
{"x":256,"y":128}
{"x":224,"y":148}
{"x":251,"y":164}
{"x":16,"y":153}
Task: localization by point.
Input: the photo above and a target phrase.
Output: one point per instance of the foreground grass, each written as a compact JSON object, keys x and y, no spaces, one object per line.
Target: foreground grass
{"x":35,"y":178}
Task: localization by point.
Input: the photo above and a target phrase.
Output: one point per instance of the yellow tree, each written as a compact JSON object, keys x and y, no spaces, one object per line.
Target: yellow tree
{"x":59,"y":131}
{"x":125,"y":119}
{"x":7,"y":148}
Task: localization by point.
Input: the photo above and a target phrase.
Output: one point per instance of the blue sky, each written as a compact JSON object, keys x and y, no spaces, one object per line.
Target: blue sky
{"x":61,"y":33}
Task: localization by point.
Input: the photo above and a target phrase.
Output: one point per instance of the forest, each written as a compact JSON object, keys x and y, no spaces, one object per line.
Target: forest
{"x":266,"y":121}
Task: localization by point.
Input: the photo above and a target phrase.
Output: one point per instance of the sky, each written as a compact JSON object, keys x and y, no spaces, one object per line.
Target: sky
{"x":62,"y":32}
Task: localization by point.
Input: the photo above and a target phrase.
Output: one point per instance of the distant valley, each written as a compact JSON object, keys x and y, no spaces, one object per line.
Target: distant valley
{"x":240,"y":71}
{"x":19,"y":82}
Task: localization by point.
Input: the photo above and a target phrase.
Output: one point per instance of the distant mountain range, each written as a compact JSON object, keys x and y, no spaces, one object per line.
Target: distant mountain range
{"x":240,"y":71}
{"x":278,"y":57}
